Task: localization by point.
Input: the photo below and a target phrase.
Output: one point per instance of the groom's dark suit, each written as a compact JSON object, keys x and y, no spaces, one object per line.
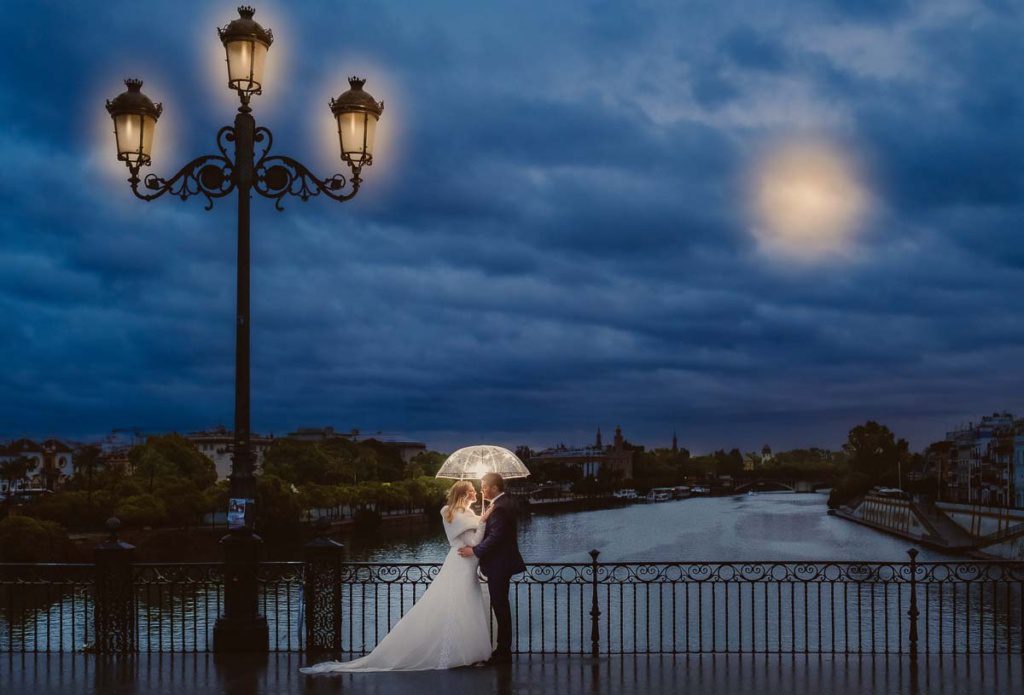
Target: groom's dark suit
{"x":499,"y":560}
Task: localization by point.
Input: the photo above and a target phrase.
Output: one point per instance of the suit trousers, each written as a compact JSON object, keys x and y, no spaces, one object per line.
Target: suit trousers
{"x":498,"y":588}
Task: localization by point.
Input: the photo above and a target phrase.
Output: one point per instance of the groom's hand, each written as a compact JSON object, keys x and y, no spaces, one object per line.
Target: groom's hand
{"x":466,"y":551}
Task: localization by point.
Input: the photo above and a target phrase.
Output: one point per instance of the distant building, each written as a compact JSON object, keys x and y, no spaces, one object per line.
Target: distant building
{"x":1017,"y":474}
{"x":53,"y":463}
{"x":983,"y":463}
{"x":320,"y":434}
{"x":751,"y":461}
{"x":407,"y":448}
{"x":591,"y":460}
{"x":217,"y":443}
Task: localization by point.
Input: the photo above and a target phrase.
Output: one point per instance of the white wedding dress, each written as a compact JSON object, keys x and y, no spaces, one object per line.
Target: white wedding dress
{"x":448,"y":625}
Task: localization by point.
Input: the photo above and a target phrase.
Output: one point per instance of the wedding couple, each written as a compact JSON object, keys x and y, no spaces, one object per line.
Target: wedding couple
{"x":448,"y":626}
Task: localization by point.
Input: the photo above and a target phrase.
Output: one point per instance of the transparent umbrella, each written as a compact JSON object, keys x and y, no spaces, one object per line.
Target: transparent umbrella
{"x":473,"y":462}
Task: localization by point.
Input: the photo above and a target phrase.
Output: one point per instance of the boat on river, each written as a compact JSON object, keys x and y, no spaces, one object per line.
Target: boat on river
{"x":659,"y":494}
{"x":626,"y":494}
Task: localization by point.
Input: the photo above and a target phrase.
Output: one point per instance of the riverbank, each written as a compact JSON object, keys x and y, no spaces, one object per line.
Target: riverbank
{"x":739,"y":527}
{"x":989,"y":533}
{"x":202,"y":543}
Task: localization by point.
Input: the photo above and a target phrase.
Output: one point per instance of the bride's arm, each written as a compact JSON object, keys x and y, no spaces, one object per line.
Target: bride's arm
{"x":475,"y":533}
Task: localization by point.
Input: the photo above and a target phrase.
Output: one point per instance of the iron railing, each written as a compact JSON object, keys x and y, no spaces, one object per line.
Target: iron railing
{"x":46,"y":607}
{"x":897,"y":608}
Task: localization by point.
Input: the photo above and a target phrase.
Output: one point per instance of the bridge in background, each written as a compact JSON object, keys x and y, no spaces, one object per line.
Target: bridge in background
{"x":778,"y":485}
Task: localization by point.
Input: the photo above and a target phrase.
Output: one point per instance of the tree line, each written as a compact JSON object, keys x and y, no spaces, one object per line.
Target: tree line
{"x":169,"y":483}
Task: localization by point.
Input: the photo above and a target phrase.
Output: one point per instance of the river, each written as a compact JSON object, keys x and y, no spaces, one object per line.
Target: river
{"x":764,"y":526}
{"x":693,"y":606}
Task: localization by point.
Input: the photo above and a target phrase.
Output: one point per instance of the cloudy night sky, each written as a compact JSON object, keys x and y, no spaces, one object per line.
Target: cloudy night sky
{"x":747,"y":222}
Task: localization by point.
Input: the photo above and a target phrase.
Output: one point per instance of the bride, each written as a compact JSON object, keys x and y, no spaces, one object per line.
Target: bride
{"x":448,"y":626}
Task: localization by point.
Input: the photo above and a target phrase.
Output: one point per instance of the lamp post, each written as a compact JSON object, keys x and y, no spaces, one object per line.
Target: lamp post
{"x":243,"y":164}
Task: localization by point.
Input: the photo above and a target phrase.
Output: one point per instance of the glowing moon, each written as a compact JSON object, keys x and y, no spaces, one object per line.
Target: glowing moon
{"x":808,"y":200}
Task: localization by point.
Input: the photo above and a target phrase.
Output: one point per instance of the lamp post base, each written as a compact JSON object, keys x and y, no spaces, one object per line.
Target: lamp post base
{"x":243,"y":635}
{"x":241,"y":628}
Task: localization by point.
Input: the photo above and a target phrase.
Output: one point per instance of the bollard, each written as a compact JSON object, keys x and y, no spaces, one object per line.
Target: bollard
{"x":114,"y":619}
{"x":322,"y":591}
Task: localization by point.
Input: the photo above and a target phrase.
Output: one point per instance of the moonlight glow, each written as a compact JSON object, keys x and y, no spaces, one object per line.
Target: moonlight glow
{"x":808,"y":200}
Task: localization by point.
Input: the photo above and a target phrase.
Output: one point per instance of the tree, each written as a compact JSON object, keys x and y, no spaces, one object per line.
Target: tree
{"x":524,"y":453}
{"x":731,"y":463}
{"x":875,"y":452}
{"x":429,"y":462}
{"x":873,"y":456}
{"x":321,"y":463}
{"x":88,"y":460}
{"x":171,"y":456}
{"x":14,"y":471}
{"x":278,"y":510}
{"x":24,"y":539}
{"x":141,"y":510}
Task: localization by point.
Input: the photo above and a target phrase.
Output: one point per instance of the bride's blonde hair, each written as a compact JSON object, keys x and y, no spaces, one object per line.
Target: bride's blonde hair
{"x":458,"y":496}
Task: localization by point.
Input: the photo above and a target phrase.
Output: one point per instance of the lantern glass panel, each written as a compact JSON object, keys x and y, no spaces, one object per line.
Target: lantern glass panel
{"x":134,"y":133}
{"x":246,"y":60}
{"x":356,"y":131}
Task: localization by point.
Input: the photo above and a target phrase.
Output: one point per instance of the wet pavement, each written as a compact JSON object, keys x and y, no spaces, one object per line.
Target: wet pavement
{"x":179,"y":674}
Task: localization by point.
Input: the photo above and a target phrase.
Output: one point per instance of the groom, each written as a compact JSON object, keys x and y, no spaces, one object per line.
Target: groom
{"x":499,"y":559}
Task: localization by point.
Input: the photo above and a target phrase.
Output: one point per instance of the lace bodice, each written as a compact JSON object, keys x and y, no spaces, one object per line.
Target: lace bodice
{"x":465,"y":528}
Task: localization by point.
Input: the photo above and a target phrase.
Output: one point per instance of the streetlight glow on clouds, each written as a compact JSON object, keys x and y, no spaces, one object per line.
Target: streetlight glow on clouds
{"x":809,"y":200}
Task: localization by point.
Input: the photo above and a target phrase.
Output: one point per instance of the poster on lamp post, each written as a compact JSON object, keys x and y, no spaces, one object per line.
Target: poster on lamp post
{"x":236,"y":512}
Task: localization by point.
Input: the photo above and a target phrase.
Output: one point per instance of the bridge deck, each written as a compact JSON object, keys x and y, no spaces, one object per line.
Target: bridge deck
{"x":734,"y":674}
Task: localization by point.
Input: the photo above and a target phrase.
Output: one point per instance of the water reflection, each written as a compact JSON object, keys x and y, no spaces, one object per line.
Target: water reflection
{"x":766,"y":526}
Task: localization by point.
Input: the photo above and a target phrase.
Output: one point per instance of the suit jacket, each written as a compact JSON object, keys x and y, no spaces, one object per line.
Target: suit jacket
{"x":499,"y":549}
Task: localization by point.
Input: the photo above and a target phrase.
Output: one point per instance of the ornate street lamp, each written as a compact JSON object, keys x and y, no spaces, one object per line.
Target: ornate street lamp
{"x":243,"y":164}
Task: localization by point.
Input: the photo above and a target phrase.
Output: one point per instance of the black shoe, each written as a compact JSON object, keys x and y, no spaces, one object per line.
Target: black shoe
{"x":500,"y":658}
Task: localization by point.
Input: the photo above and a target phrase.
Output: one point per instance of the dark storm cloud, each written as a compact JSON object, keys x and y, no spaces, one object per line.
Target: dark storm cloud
{"x":555,"y":237}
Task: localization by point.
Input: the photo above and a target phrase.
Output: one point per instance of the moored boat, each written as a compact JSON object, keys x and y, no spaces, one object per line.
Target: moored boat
{"x":659,"y":494}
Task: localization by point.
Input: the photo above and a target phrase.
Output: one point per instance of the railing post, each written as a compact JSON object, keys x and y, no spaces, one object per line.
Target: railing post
{"x":322,"y":591}
{"x":114,"y":613}
{"x":595,"y":612}
{"x":912,"y":613}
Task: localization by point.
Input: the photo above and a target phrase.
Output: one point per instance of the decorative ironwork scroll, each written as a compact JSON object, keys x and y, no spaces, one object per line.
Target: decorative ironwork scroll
{"x":211,"y":175}
{"x":278,"y":176}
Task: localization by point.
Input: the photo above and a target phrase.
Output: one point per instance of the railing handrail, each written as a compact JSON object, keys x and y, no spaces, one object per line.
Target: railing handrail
{"x":876,"y":563}
{"x":432,"y":563}
{"x":47,"y":564}
{"x":208,"y":563}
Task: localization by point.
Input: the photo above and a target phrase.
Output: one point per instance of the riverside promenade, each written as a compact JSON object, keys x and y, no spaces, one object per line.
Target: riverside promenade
{"x":181,"y":674}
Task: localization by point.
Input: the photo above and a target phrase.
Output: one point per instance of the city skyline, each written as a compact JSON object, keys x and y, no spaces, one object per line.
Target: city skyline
{"x":572,"y":246}
{"x":577,"y":440}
